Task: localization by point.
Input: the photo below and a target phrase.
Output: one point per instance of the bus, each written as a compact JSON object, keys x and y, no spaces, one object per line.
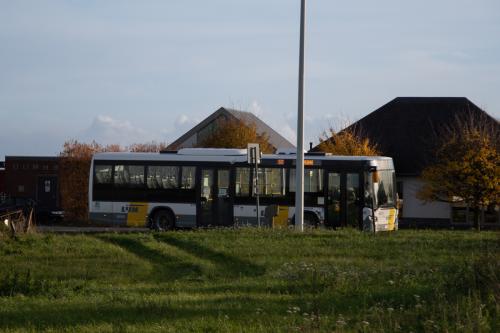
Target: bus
{"x":209,"y":187}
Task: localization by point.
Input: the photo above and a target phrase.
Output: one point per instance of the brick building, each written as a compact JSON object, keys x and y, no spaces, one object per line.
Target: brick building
{"x":35,"y":178}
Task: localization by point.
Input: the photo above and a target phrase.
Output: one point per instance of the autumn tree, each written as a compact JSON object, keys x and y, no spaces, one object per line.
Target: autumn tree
{"x":467,"y":166}
{"x":147,"y":147}
{"x":349,"y":141}
{"x":234,"y":133}
{"x":74,"y":166}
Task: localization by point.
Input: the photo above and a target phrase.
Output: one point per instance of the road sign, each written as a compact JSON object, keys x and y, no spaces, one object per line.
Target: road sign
{"x":253,"y":153}
{"x":253,"y":156}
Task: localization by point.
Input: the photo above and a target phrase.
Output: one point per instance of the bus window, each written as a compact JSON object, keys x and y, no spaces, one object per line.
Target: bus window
{"x":163,"y":177}
{"x":188,"y":178}
{"x":313,"y":180}
{"x":242,"y":182}
{"x":271,"y":181}
{"x":385,"y":190}
{"x":223,"y":183}
{"x":352,"y":198}
{"x":129,"y":175}
{"x":334,"y":199}
{"x":103,"y":174}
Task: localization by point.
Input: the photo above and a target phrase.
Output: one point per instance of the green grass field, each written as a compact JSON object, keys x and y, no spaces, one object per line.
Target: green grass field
{"x":252,"y":281}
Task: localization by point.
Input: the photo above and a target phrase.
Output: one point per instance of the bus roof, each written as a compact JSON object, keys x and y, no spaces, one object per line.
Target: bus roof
{"x":222,"y":155}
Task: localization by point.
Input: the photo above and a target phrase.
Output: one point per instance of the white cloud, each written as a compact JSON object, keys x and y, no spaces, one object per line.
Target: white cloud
{"x":181,"y":125}
{"x":182,"y":119}
{"x":107,"y":130}
{"x":289,"y":133}
{"x":314,"y":126}
{"x":256,"y":109}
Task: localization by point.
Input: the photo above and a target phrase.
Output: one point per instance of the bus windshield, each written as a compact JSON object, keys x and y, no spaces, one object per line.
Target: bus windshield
{"x":384,"y":189}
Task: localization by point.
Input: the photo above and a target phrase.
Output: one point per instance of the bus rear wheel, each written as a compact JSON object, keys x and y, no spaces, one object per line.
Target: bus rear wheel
{"x":163,"y":220}
{"x":310,"y":220}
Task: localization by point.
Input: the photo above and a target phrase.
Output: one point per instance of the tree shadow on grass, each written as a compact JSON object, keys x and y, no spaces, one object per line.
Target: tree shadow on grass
{"x":145,"y":310}
{"x":229,"y":266}
{"x":165,"y":267}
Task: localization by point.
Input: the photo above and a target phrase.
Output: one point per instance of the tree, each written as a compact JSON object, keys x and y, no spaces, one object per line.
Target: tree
{"x":467,"y":166}
{"x":234,"y":133}
{"x":74,"y":166}
{"x":349,"y":141}
{"x":148,"y":147}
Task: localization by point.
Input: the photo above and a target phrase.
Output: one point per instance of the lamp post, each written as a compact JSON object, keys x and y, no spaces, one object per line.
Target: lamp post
{"x":299,"y":165}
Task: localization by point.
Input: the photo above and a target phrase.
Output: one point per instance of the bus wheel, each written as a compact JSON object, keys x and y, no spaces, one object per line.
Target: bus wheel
{"x":164,"y":220}
{"x":310,"y":220}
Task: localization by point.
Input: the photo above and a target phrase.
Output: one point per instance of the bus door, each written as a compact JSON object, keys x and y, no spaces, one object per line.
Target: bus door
{"x":343,"y":199}
{"x":214,"y":207}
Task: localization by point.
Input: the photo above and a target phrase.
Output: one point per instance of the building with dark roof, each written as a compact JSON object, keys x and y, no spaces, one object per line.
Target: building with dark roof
{"x":2,"y":177}
{"x":408,"y":130}
{"x":34,"y":178}
{"x":198,"y":133}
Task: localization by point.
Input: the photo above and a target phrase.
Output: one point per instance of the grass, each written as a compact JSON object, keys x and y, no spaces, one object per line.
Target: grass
{"x":252,"y":280}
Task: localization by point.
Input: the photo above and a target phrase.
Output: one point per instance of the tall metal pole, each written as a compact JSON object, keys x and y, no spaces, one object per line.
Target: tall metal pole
{"x":257,"y":193}
{"x":299,"y":172}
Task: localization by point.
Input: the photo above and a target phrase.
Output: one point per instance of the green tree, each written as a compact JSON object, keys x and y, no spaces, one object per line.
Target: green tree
{"x":467,"y":167}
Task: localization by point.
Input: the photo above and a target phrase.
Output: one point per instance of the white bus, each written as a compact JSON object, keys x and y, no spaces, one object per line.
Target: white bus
{"x":214,"y":187}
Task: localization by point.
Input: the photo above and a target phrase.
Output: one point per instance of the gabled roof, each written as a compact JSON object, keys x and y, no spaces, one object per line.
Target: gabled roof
{"x":275,"y":139}
{"x":406,"y":128}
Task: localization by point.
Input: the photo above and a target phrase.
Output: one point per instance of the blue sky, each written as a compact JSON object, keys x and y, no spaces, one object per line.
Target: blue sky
{"x":136,"y":71}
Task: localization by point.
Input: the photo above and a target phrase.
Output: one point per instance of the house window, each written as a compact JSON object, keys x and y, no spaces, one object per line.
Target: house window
{"x":460,"y":215}
{"x":20,"y":188}
{"x":34,"y":166}
{"x":492,"y":214}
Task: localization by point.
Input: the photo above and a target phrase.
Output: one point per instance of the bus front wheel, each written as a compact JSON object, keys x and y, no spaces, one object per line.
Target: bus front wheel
{"x":163,"y":220}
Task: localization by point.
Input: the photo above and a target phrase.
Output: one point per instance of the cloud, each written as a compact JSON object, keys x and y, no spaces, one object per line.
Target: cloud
{"x":256,"y":109}
{"x":179,"y":126}
{"x":314,"y":126}
{"x":185,"y":121}
{"x":182,"y":119}
{"x":107,"y":130}
{"x":289,"y":133}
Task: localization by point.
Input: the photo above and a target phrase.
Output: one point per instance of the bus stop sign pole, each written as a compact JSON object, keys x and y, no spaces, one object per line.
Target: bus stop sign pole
{"x":299,"y":165}
{"x":253,"y":156}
